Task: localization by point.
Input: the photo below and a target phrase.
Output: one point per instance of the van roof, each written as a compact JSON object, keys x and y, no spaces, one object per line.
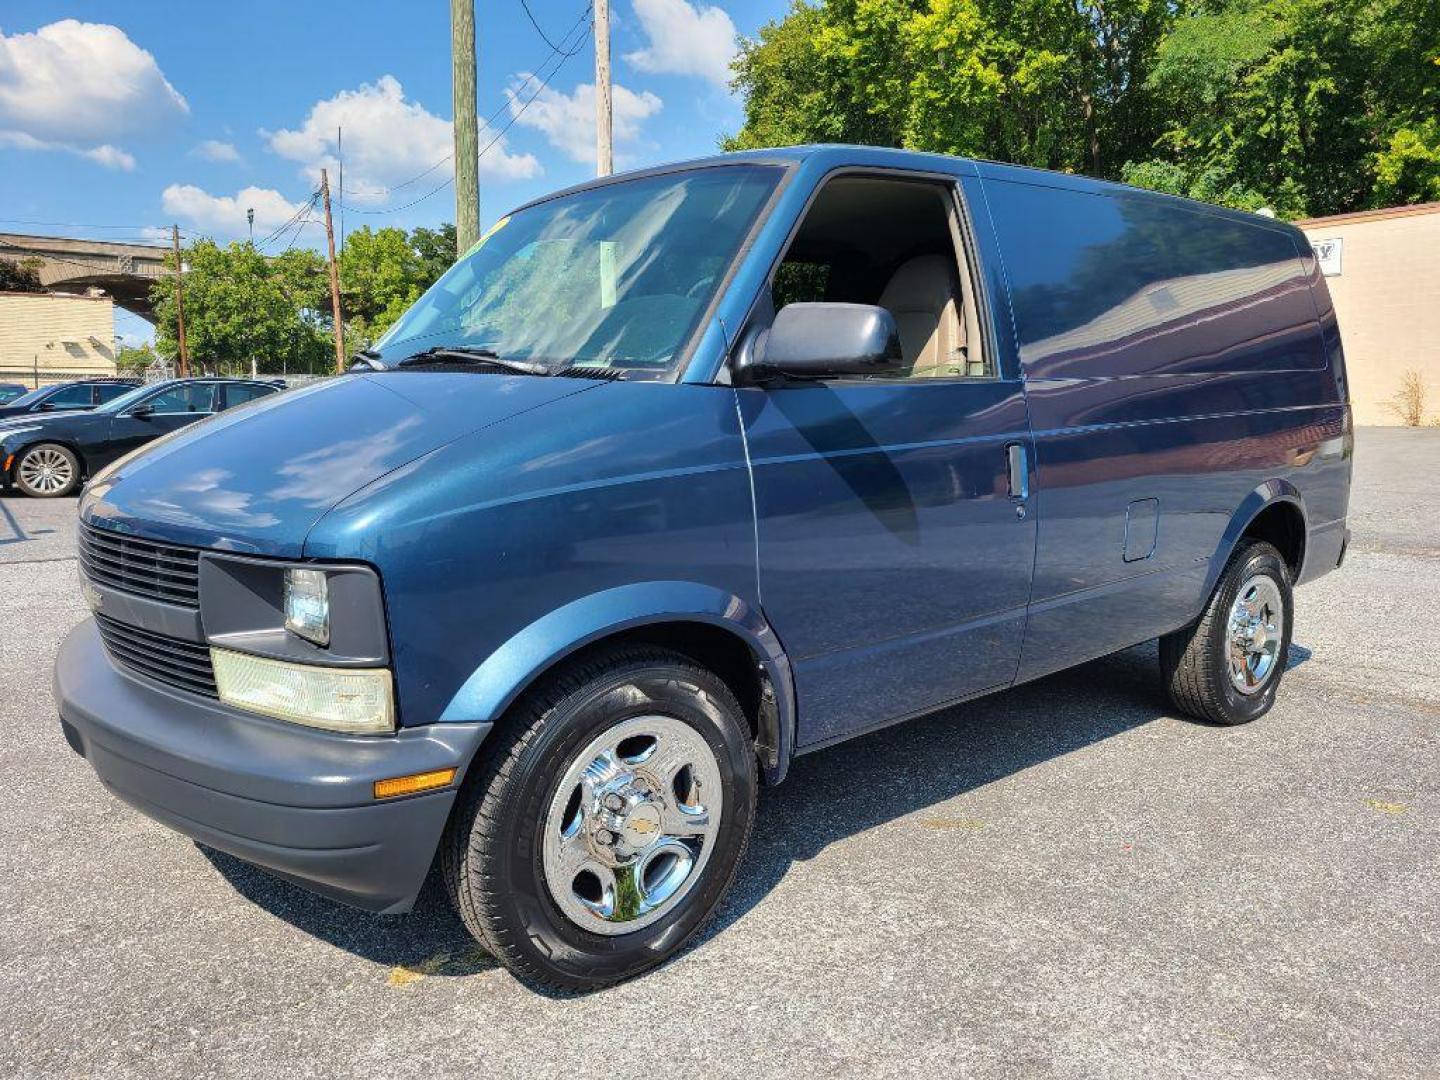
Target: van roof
{"x":836,"y":155}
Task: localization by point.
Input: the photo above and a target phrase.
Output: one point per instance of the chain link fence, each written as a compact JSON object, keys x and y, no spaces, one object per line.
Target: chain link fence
{"x":33,"y":378}
{"x":164,"y":369}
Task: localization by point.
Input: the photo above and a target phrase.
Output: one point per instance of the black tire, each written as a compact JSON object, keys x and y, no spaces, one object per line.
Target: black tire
{"x":64,"y":458}
{"x":492,"y":852}
{"x":1194,"y":661}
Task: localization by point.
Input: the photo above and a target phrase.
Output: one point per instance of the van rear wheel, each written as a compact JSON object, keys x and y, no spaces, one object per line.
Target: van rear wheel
{"x":605,"y":822}
{"x":1226,"y":666}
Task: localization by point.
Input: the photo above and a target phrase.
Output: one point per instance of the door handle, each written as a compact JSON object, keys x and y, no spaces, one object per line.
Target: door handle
{"x":1019,"y":470}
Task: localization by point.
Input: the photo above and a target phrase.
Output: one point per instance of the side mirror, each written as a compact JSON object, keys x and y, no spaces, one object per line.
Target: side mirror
{"x":143,"y":412}
{"x":45,"y":406}
{"x":818,"y":340}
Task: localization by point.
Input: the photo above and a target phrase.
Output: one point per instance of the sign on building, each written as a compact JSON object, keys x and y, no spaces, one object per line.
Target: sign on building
{"x":1327,"y":254}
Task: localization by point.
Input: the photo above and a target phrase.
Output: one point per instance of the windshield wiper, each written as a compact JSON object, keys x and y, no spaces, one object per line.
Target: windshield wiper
{"x":476,"y":354}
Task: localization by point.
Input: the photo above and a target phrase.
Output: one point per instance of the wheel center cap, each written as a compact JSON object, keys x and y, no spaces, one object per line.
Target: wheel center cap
{"x":641,"y":826}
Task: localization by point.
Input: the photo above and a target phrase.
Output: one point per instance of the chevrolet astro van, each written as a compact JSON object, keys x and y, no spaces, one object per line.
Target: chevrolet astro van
{"x":679,"y":474}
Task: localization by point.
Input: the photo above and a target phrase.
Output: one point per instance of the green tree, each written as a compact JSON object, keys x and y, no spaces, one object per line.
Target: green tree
{"x":379,"y":279}
{"x":1058,"y":85}
{"x":1312,"y":106}
{"x":384,"y":271}
{"x":436,"y":249}
{"x":134,"y":359}
{"x":20,"y":275}
{"x":1306,"y":106}
{"x":241,"y":306}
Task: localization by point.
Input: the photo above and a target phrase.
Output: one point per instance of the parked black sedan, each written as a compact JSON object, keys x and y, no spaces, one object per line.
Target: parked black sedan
{"x":81,"y":394}
{"x":48,"y":454}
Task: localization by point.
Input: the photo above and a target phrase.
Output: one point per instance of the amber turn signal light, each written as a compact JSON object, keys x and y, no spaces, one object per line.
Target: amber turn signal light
{"x":409,"y":785}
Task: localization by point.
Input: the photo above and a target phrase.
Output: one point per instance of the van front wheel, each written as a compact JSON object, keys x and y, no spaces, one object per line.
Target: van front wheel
{"x":1226,"y":666}
{"x":605,"y":822}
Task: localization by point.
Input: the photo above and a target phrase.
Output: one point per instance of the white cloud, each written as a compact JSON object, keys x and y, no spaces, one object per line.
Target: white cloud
{"x":112,"y":157}
{"x":568,"y":120}
{"x":215,"y":150}
{"x":75,"y":86}
{"x":387,"y":140}
{"x":224,"y":215}
{"x":685,"y":39}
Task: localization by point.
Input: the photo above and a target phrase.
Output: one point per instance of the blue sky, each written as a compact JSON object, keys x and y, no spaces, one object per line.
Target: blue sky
{"x":135,"y":115}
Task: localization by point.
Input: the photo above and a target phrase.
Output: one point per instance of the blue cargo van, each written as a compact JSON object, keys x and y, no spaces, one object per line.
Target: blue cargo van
{"x":679,"y":474}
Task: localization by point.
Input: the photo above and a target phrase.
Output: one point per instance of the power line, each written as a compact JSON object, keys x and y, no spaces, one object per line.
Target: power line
{"x":545,"y":37}
{"x":300,"y":211}
{"x":76,"y":225}
{"x":562,"y":54}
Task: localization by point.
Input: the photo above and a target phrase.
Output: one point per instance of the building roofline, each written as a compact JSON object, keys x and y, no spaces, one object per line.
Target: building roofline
{"x":1412,"y":210}
{"x":47,"y":294}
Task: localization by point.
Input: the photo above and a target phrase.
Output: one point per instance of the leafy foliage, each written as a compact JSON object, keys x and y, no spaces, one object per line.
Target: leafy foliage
{"x":20,"y":275}
{"x":134,"y":359}
{"x":383,"y":272}
{"x":1306,"y":106}
{"x":241,"y":306}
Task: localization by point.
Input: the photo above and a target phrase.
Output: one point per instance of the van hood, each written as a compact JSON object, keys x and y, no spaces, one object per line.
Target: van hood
{"x":258,"y":478}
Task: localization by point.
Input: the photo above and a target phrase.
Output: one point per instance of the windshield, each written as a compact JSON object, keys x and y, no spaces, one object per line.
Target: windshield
{"x":31,"y":397}
{"x":614,"y":276}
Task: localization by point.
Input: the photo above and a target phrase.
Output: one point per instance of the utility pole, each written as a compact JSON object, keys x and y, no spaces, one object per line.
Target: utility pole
{"x":340,"y":153}
{"x":467,"y":138}
{"x":604,"y":153}
{"x":334,"y":278}
{"x":180,"y":302}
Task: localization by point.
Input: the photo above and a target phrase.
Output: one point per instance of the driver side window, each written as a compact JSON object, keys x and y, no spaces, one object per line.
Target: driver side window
{"x":893,"y":244}
{"x":183,"y":399}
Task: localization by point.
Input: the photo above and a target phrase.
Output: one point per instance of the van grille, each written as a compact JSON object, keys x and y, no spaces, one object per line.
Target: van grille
{"x":141,"y":567}
{"x":184,"y":665}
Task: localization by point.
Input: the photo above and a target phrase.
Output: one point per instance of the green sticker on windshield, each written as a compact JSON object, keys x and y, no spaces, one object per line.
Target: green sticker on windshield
{"x":488,"y":234}
{"x":609,"y":251}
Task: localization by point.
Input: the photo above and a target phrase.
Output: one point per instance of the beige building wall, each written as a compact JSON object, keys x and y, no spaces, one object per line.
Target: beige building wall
{"x":66,"y":336}
{"x":1387,"y":298}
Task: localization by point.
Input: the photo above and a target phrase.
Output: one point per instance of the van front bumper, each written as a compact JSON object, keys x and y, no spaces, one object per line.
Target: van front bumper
{"x":295,"y":800}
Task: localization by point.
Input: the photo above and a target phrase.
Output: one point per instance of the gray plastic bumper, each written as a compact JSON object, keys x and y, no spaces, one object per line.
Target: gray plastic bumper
{"x":294,"y":800}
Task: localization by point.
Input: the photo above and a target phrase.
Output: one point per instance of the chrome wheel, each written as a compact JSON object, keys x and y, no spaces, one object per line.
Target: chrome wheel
{"x":632,"y":825}
{"x":47,"y":470}
{"x":1256,"y":629}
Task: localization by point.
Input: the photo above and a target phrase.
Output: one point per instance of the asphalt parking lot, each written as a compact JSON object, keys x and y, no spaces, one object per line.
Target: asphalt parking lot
{"x":1065,"y":880}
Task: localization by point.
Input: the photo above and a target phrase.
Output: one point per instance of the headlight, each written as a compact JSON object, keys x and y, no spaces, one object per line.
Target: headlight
{"x":307,"y":605}
{"x":359,"y":701}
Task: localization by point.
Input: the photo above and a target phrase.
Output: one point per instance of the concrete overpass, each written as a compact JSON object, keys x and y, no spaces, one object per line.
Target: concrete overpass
{"x":123,"y":271}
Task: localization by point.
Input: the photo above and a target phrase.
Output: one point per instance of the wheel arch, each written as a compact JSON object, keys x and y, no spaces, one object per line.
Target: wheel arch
{"x":1274,"y":512}
{"x":715,"y":628}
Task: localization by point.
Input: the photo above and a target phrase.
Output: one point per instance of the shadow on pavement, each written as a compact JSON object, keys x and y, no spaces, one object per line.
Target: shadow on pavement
{"x":827,"y":797}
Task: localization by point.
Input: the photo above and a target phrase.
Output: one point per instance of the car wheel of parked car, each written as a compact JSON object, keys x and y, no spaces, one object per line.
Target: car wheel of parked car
{"x":605,"y":820}
{"x":47,"y":471}
{"x":1226,"y":667}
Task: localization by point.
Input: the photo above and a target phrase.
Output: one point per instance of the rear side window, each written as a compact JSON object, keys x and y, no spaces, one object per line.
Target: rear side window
{"x":1110,"y":285}
{"x":236,"y":394}
{"x":110,"y":391}
{"x":71,"y":397}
